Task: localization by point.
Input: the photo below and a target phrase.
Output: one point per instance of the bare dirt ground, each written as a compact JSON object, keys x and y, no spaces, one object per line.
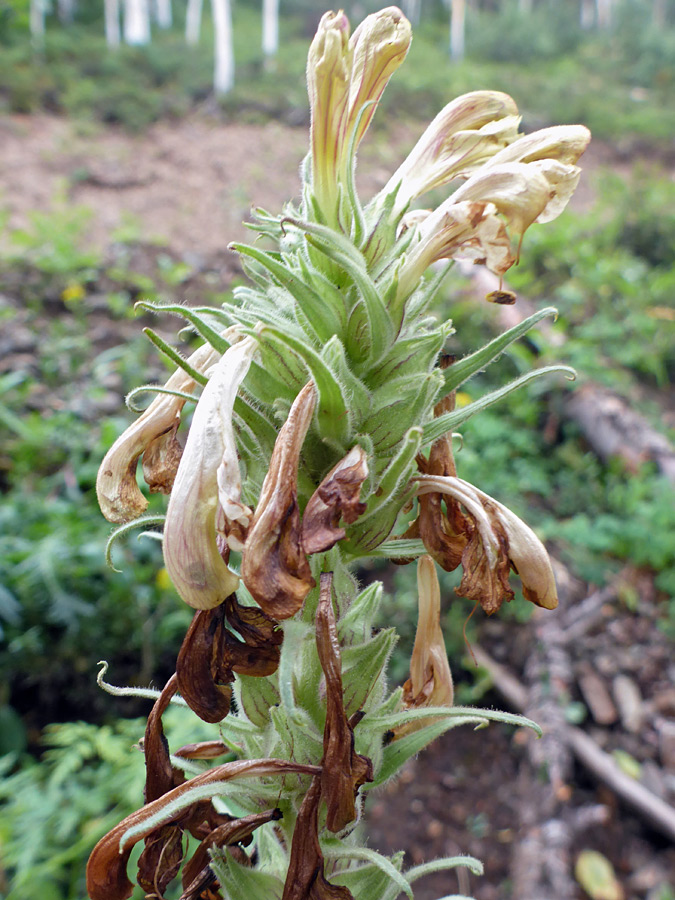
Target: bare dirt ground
{"x":190,"y":184}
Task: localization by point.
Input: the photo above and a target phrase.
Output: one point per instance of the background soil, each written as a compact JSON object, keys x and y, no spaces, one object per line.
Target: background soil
{"x":191,"y":184}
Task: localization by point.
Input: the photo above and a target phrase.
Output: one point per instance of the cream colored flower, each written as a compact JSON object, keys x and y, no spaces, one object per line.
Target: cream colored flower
{"x":464,"y":135}
{"x":118,"y":493}
{"x":205,"y":503}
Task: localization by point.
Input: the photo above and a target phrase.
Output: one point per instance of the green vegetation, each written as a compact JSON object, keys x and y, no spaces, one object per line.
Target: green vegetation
{"x":61,"y":609}
{"x":619,"y":83}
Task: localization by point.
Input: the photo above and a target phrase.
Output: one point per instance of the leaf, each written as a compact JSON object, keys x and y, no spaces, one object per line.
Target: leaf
{"x":595,"y":874}
{"x":449,"y":421}
{"x":465,"y":368}
{"x":336,"y":850}
{"x":440,"y":865}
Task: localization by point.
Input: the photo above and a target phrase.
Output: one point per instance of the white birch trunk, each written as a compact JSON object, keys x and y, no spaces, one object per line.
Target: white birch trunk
{"x":587,"y":14}
{"x":411,"y":10}
{"x":66,"y":10}
{"x":223,"y":74}
{"x":163,"y":15}
{"x":604,"y":13}
{"x":112,"y":23}
{"x":457,"y":28}
{"x":136,"y":22}
{"x":37,"y":23}
{"x":659,"y":13}
{"x":193,"y":22}
{"x":270,"y":28}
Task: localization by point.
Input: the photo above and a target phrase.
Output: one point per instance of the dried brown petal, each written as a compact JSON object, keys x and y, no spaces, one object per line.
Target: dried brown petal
{"x":343,"y":770}
{"x":274,"y":566}
{"x":262,"y":638}
{"x":161,"y":776}
{"x":497,"y":541}
{"x":305,"y":879}
{"x":335,"y":499}
{"x":160,"y":860}
{"x":234,"y":832}
{"x":430,"y":682}
{"x":199,"y":668}
{"x":118,"y":493}
{"x":160,"y":461}
{"x":203,"y":750}
{"x":106,"y":869}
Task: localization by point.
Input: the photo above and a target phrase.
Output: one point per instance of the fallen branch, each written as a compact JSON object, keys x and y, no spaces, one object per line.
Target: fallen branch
{"x":659,"y":814}
{"x":608,"y":423}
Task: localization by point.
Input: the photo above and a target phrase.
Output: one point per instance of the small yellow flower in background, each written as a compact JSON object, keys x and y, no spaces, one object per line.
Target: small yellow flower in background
{"x":73,"y":292}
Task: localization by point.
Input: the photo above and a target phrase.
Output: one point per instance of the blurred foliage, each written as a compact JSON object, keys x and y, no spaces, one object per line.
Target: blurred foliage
{"x":618,"y":82}
{"x":53,"y":811}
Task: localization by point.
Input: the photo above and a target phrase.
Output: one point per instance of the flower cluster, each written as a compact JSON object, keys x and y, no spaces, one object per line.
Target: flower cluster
{"x":323,"y":433}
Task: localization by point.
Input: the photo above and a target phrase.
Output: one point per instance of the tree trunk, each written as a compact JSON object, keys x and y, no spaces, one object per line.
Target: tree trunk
{"x":270,"y":28}
{"x":163,"y":13}
{"x":112,"y":23}
{"x":66,"y":10}
{"x":37,"y":24}
{"x":193,"y":22}
{"x":587,"y":14}
{"x":411,"y":10}
{"x":136,"y":22}
{"x":223,"y":75}
{"x":604,"y":13}
{"x":457,"y":13}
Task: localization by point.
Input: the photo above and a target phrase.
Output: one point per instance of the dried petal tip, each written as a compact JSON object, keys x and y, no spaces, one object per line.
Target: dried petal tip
{"x":274,"y":566}
{"x":336,"y":498}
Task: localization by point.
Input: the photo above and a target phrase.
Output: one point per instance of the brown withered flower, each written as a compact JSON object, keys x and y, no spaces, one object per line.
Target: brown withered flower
{"x":211,"y":653}
{"x":336,"y":499}
{"x":496,"y":541}
{"x":107,"y":866}
{"x":430,"y":682}
{"x":343,"y":770}
{"x":161,"y":460}
{"x":274,"y":566}
{"x":305,"y":879}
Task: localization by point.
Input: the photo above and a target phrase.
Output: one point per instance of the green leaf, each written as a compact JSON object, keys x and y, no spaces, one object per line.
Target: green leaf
{"x":449,"y":421}
{"x":317,"y":312}
{"x":370,"y":881}
{"x":156,"y":389}
{"x":398,"y":548}
{"x":333,"y":415}
{"x":406,"y":399}
{"x":409,"y":356}
{"x":256,"y":696}
{"x":362,"y":665}
{"x":175,"y":356}
{"x":337,"y":850}
{"x":340,"y":250}
{"x":357,"y":622}
{"x":440,"y":865}
{"x":244,"y":881}
{"x":461,"y":371}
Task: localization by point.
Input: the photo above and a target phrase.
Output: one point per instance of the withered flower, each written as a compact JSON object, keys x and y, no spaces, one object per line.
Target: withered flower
{"x":196,"y":872}
{"x":211,"y":653}
{"x":305,"y":879}
{"x":335,"y":499}
{"x":107,"y":866}
{"x":274,"y":565}
{"x":343,"y":770}
{"x":206,"y":495}
{"x":430,"y":682}
{"x":118,"y":493}
{"x":496,"y":541}
{"x":161,"y":460}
